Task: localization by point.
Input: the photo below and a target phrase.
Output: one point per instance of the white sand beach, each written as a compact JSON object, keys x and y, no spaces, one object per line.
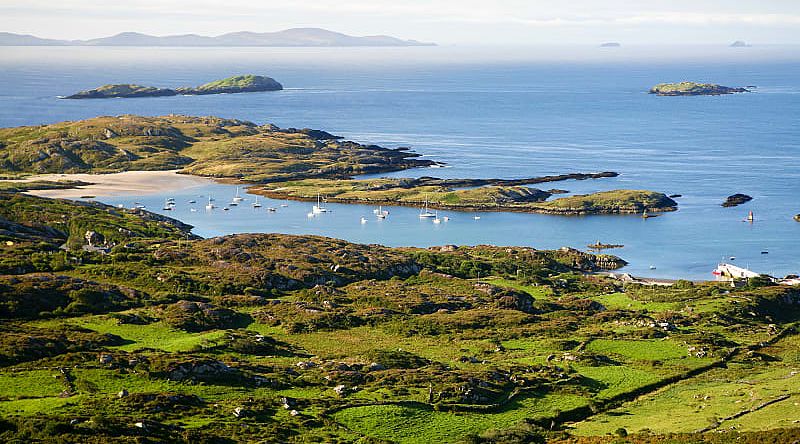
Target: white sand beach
{"x":120,"y":184}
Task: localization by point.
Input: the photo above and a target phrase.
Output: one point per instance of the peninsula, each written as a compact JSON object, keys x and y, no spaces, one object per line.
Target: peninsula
{"x":288,"y":163}
{"x":694,"y":89}
{"x":487,"y":195}
{"x":235,"y":84}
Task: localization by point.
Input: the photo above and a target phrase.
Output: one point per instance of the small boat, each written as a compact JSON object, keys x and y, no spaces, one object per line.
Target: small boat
{"x":318,"y":208}
{"x":652,"y":267}
{"x":476,"y":217}
{"x":192,"y":201}
{"x":733,"y":258}
{"x":446,"y":219}
{"x":210,"y":206}
{"x":237,"y":198}
{"x":272,"y":210}
{"x":193,"y":210}
{"x":233,"y":204}
{"x":225,"y":209}
{"x":765,"y":252}
{"x":425,"y":212}
{"x":363,"y":220}
{"x":310,"y":215}
{"x":436,"y":219}
{"x":379,"y":213}
{"x":750,"y":217}
{"x":256,"y":204}
{"x":284,"y":205}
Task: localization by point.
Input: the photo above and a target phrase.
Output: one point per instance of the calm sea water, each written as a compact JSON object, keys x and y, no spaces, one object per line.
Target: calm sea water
{"x":490,"y":112}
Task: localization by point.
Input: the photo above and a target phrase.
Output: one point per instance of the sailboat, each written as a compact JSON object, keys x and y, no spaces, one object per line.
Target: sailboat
{"x":436,"y":219}
{"x":256,"y":204}
{"x":168,"y":205}
{"x":210,"y":206}
{"x":750,"y":217}
{"x":380,"y":213}
{"x":237,"y":198}
{"x":426,"y":213}
{"x":318,"y":208}
{"x":363,"y":220}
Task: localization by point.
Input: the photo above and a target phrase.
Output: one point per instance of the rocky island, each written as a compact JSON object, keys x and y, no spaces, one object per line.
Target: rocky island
{"x":694,"y":89}
{"x":736,"y":199}
{"x":235,"y":84}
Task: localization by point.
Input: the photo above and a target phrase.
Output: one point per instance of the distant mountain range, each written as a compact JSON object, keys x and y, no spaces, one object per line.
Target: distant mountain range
{"x":288,"y":37}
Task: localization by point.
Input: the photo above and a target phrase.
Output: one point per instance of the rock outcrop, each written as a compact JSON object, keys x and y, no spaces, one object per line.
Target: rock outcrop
{"x":736,"y":199}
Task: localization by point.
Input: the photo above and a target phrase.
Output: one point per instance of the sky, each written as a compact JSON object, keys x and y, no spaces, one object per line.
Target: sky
{"x":497,"y":22}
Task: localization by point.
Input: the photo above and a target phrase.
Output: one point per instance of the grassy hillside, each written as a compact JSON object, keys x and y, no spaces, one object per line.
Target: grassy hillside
{"x":275,"y":338}
{"x":480,"y":198}
{"x":208,"y":146}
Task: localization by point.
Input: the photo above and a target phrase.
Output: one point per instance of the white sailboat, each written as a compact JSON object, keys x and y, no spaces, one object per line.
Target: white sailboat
{"x":380,"y":213}
{"x":318,"y":208}
{"x":426,"y":213}
{"x":363,"y":220}
{"x":210,"y":206}
{"x":436,"y":219}
{"x":256,"y":204}
{"x":237,"y":198}
{"x":168,"y":205}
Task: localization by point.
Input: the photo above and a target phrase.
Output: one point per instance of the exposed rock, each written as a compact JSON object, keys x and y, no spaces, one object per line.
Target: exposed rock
{"x":305,"y":365}
{"x":199,"y":370}
{"x":736,"y":199}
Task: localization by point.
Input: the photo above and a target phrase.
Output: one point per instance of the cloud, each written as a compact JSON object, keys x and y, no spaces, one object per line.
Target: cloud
{"x":663,"y":18}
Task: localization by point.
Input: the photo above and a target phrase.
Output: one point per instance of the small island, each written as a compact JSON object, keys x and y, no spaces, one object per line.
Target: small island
{"x":235,"y":84}
{"x":736,"y":199}
{"x":694,"y":89}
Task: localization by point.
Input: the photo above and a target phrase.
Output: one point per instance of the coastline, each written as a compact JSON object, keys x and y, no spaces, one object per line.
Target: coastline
{"x":128,"y":183}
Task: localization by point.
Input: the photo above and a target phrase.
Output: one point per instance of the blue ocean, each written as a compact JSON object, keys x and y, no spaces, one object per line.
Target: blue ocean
{"x":490,"y":113}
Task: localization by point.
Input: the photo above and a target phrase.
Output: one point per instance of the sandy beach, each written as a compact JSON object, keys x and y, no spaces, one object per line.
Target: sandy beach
{"x":120,"y":184}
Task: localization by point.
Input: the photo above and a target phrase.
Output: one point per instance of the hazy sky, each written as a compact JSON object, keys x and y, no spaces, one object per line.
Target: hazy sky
{"x":441,"y":21}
